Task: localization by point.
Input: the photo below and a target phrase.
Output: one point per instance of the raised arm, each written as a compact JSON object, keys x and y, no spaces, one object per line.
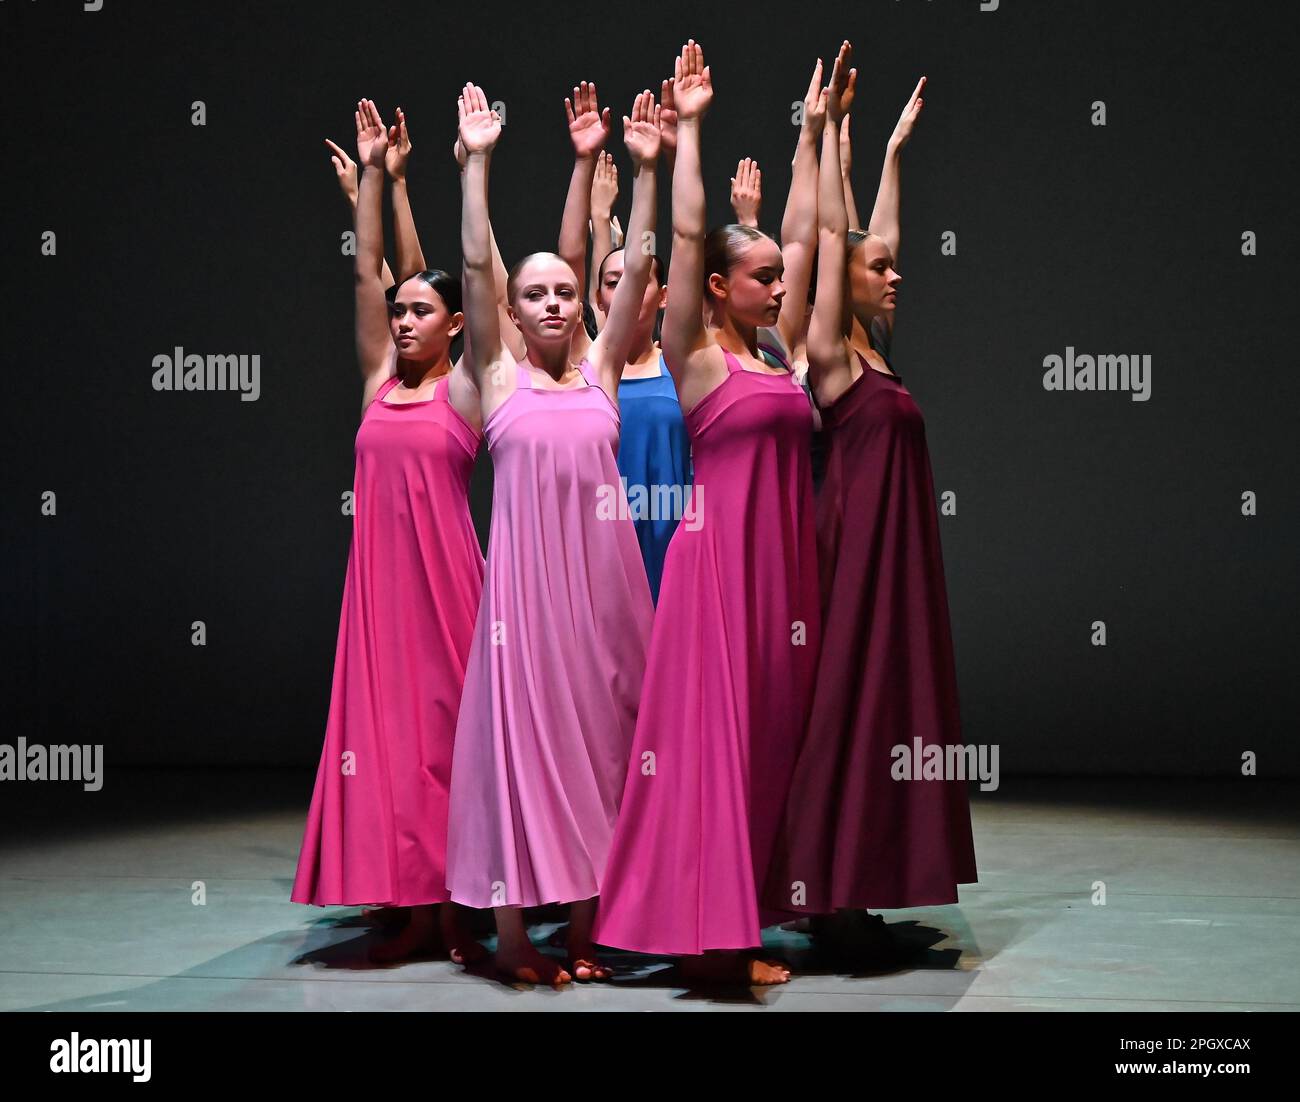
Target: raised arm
{"x":884,"y":216}
{"x":604,"y":190}
{"x":747,"y":192}
{"x":510,"y":335}
{"x":345,"y":168}
{"x":799,"y":223}
{"x":480,"y":130}
{"x":829,"y":366}
{"x":375,"y":351}
{"x":846,"y":162}
{"x":668,"y":125}
{"x":410,"y":257}
{"x":588,"y":130}
{"x":609,"y":353}
{"x":684,"y":337}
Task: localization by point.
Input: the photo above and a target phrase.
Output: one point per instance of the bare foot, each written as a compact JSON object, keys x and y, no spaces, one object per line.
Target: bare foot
{"x":584,"y":965}
{"x":527,"y":965}
{"x":734,"y":968}
{"x":462,"y":948}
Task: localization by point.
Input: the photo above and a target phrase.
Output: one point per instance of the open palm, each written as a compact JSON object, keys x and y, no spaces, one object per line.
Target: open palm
{"x":588,"y":125}
{"x":372,"y":138}
{"x":480,"y":126}
{"x":692,"y":84}
{"x":641,"y":131}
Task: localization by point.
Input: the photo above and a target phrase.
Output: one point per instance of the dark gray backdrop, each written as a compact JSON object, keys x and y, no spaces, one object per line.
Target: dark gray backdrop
{"x":1072,"y":507}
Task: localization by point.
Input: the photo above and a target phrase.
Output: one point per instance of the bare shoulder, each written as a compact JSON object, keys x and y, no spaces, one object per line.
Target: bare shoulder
{"x":496,"y":382}
{"x":702,"y":371}
{"x":463,"y":394}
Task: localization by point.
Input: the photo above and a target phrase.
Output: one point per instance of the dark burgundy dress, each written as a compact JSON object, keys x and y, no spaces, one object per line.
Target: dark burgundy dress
{"x":852,"y":836}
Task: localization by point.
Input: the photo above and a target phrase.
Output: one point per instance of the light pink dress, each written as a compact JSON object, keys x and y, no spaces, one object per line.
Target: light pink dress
{"x":377,"y":828}
{"x":554,"y":676}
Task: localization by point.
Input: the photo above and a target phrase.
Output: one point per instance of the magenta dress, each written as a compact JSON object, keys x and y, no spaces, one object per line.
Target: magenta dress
{"x":377,"y":829}
{"x":854,"y":837}
{"x":559,"y":651}
{"x":727,"y":683}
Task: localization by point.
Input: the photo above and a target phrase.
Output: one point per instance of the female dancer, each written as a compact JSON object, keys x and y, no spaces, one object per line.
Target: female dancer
{"x":376,"y":831}
{"x":853,"y":838}
{"x":654,"y":455}
{"x":735,"y":636}
{"x":559,"y":649}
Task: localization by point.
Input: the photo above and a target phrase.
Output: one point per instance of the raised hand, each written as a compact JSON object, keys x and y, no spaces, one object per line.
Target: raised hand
{"x":458,"y":151}
{"x":843,"y":79}
{"x":604,"y":187}
{"x":372,"y":138}
{"x":692,"y":82}
{"x":908,"y":118}
{"x":479,"y":125}
{"x":399,"y":148}
{"x":747,"y":192}
{"x":814,"y":103}
{"x":839,"y":84}
{"x":345,"y":168}
{"x":667,"y":120}
{"x":641,"y":131}
{"x":588,"y":125}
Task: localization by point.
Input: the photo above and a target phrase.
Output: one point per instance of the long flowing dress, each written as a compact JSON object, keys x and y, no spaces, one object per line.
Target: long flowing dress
{"x":377,"y":828}
{"x":728,"y":682}
{"x":853,"y":837}
{"x":654,"y":457}
{"x":559,"y":651}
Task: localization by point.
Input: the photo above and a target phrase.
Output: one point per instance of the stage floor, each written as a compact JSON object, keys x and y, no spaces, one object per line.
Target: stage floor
{"x":1202,"y":883}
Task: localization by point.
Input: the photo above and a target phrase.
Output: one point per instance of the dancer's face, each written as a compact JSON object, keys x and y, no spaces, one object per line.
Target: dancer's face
{"x":546,"y":306}
{"x":752,"y":291}
{"x":420,"y":322}
{"x":654,"y":299}
{"x":873,"y":282}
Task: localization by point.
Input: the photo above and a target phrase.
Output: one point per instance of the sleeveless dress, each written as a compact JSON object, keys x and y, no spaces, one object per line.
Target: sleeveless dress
{"x":654,"y":458}
{"x":773,"y":353}
{"x":728,"y":682}
{"x":854,"y":837}
{"x":559,"y":650}
{"x":377,"y":828}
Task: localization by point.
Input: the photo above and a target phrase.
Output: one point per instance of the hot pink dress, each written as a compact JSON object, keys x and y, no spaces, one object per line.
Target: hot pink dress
{"x":559,"y":650}
{"x":727,"y":684}
{"x":377,"y":828}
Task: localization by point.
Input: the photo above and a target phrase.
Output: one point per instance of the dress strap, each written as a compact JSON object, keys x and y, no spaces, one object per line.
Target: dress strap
{"x":588,"y":372}
{"x":523,"y":381}
{"x":387,"y":385}
{"x":733,"y":364}
{"x":442,"y":389}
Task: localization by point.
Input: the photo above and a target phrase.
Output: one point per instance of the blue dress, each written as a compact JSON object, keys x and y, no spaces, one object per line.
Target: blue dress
{"x":654,"y":459}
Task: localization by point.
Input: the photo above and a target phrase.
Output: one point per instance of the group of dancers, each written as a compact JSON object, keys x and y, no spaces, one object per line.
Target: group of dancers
{"x":681,"y":730}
